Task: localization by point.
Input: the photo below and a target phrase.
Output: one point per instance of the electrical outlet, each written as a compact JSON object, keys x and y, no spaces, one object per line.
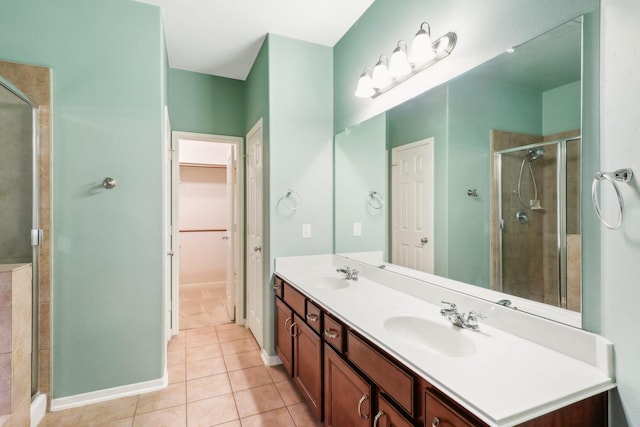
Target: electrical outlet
{"x":357,"y":229}
{"x":306,"y":231}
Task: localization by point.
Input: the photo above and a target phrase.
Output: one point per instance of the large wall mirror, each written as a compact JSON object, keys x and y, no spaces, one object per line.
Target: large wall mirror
{"x":477,"y":180}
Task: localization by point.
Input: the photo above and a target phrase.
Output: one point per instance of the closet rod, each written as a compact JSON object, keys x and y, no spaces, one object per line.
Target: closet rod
{"x":203,"y":165}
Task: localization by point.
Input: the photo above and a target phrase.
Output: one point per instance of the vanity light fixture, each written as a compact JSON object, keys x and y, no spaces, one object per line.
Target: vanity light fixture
{"x":403,"y":65}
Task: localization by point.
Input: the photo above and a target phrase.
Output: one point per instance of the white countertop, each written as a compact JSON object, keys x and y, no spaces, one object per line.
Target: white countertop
{"x":506,"y":381}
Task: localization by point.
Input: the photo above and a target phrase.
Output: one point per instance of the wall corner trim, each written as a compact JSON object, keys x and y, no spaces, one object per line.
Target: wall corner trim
{"x":109,"y":394}
{"x":269,"y":360}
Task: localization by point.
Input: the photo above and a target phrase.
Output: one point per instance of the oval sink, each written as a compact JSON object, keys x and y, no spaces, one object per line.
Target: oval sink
{"x":330,"y":282}
{"x":445,"y":340}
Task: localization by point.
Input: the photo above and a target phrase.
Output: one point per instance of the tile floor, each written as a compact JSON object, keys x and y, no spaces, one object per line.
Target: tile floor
{"x":202,"y":305}
{"x":216,"y":378}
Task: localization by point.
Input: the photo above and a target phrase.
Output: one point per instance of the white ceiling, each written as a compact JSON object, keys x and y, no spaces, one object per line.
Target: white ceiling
{"x":223,"y":37}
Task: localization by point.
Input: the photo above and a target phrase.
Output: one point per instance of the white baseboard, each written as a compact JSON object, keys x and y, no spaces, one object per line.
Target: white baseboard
{"x":38,"y":409}
{"x":269,"y":360}
{"x":109,"y":394}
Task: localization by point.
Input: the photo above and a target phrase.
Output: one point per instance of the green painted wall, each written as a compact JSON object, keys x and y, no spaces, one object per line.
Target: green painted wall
{"x":203,"y":103}
{"x":561,"y":109}
{"x":108,"y":91}
{"x":300,"y":153}
{"x":360,"y":167}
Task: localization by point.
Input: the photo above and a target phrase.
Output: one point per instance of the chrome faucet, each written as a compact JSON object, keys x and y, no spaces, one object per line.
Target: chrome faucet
{"x":349,"y":273}
{"x":462,"y":320}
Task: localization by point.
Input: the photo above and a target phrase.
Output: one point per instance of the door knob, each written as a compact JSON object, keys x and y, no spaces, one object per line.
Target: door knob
{"x":257,"y":249}
{"x":424,"y":240}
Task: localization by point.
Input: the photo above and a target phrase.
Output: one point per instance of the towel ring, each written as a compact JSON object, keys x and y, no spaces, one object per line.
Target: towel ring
{"x":292,"y":194}
{"x":621,"y":175}
{"x":375,"y":200}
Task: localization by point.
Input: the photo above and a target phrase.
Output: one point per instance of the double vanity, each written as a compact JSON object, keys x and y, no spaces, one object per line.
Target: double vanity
{"x":376,"y":348}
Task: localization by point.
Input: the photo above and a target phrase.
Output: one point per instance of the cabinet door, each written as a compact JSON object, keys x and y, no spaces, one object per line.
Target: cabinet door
{"x":347,"y":398}
{"x":388,"y":416}
{"x":440,"y":414}
{"x":307,"y":364}
{"x":283,"y":338}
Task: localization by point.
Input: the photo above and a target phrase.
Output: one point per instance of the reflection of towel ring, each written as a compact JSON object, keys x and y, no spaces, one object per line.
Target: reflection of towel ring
{"x":292,"y":194}
{"x":375,"y":200}
{"x":621,"y":175}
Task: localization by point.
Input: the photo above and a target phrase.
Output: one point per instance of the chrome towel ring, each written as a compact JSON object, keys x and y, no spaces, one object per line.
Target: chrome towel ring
{"x":292,"y":199}
{"x":620,"y":175}
{"x":375,"y":200}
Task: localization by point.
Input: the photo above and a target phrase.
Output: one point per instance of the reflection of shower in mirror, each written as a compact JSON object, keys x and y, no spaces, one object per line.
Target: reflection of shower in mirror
{"x":532,"y":155}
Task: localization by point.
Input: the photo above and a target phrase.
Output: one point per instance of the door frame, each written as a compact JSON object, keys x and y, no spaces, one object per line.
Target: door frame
{"x":238,"y":251}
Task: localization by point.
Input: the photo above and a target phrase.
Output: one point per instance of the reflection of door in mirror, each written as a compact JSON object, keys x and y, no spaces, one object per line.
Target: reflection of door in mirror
{"x":536,"y":229}
{"x":412,"y":204}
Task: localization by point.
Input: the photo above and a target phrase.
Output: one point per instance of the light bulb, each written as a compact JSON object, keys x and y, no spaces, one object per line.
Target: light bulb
{"x":365,"y":86}
{"x":421,"y":49}
{"x":381,"y":77}
{"x":399,"y":63}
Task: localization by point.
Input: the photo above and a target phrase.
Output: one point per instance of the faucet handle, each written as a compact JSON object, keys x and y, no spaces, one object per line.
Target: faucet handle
{"x":472,"y":320}
{"x":451,"y":305}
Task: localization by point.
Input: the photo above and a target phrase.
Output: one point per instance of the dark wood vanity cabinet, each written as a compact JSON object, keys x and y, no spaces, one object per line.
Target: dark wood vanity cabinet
{"x":351,"y":382}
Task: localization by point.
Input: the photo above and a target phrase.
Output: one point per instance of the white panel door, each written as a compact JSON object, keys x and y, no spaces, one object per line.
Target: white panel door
{"x":255,"y":282}
{"x":412,"y":205}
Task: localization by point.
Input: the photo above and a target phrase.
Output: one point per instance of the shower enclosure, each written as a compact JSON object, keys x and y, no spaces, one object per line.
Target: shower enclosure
{"x":537,"y":189}
{"x":19,"y":227}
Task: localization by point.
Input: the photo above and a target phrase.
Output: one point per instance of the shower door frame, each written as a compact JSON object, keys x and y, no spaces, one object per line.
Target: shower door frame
{"x":36,"y":231}
{"x":561,"y":206}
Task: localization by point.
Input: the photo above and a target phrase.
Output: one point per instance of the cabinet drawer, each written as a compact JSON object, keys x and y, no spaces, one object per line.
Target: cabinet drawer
{"x":440,"y":414}
{"x":294,"y":298}
{"x":333,"y":333}
{"x":397,"y":384}
{"x":388,"y":415}
{"x":278,"y":286}
{"x":313,"y":317}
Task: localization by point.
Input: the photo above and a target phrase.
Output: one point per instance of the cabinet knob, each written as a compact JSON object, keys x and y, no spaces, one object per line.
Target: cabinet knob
{"x":435,"y":422}
{"x":360,"y":402}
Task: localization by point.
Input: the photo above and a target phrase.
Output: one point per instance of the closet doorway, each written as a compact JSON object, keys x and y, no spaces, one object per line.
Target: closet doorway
{"x":208,"y":229}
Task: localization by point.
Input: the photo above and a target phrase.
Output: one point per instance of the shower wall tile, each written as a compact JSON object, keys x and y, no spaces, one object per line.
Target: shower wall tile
{"x":44,"y":330}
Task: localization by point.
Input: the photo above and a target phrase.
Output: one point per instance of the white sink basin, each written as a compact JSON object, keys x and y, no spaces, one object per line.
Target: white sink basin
{"x":331,"y":282}
{"x":420,"y":333}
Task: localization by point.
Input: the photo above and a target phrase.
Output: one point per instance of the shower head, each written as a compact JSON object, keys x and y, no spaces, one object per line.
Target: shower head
{"x":534,"y":154}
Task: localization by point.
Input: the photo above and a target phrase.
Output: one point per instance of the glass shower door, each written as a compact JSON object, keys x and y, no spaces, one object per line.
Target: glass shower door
{"x":19,"y":226}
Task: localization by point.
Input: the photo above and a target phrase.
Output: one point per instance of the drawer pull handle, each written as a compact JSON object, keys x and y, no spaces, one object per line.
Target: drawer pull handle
{"x":435,"y":422}
{"x":292,"y":329}
{"x":277,"y":287}
{"x":285,"y":323}
{"x":312,"y":317}
{"x":360,"y":402}
{"x":330,"y":333}
{"x":379,"y":415}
